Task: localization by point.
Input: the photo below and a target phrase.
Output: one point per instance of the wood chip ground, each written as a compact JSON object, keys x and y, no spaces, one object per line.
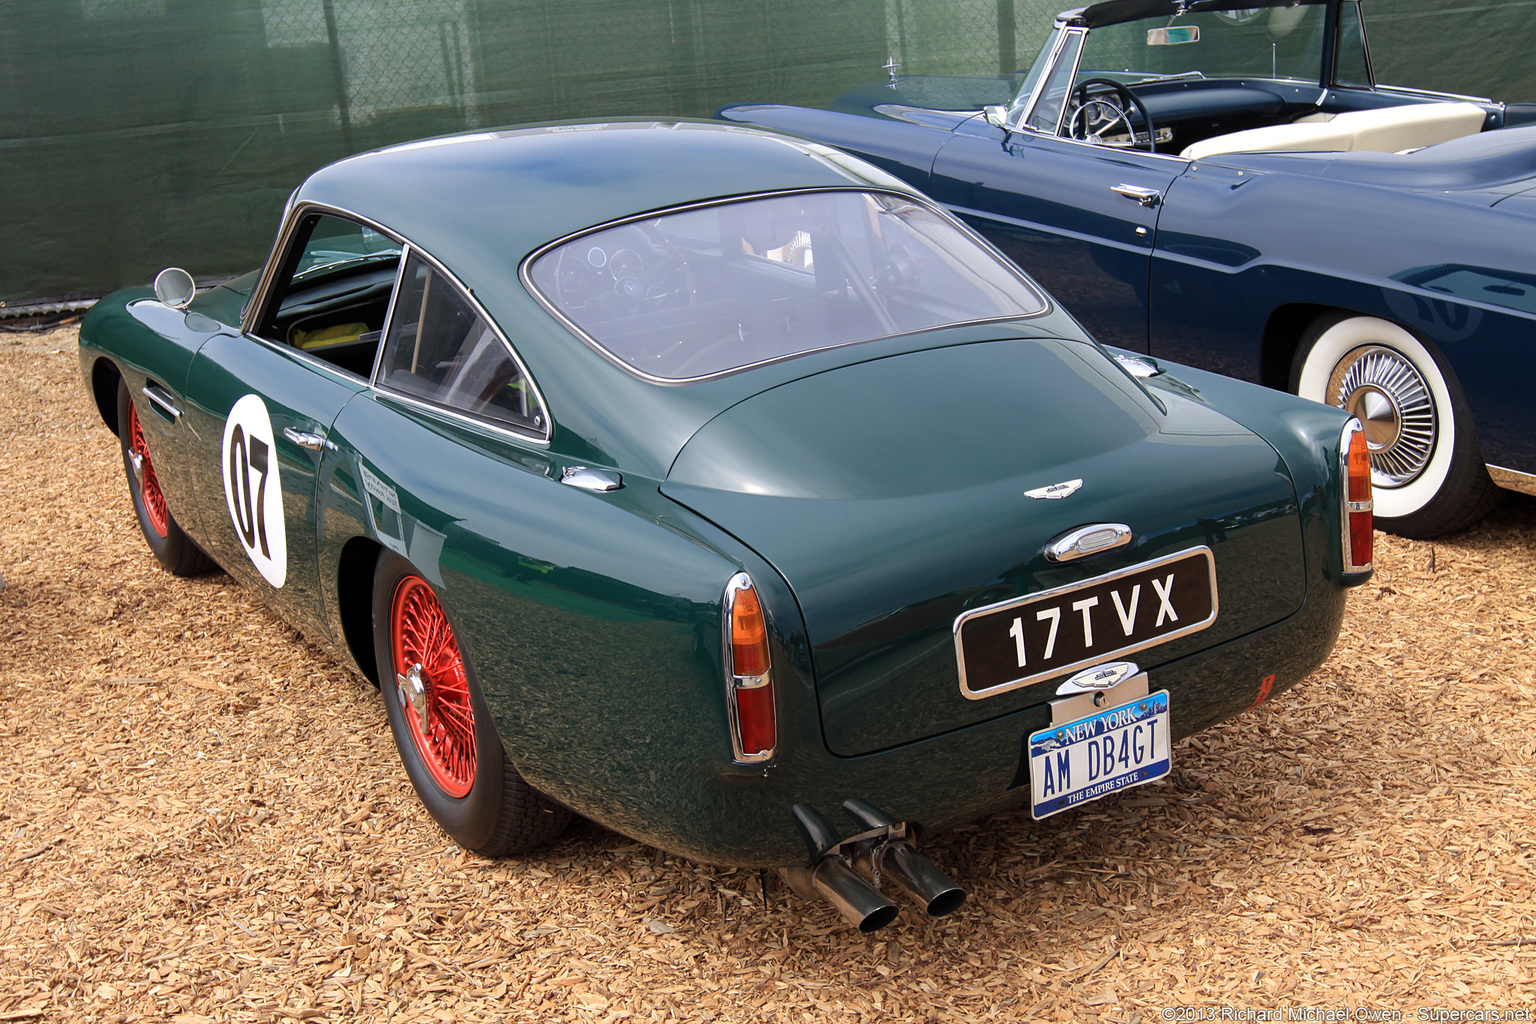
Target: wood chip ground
{"x":202,"y":818}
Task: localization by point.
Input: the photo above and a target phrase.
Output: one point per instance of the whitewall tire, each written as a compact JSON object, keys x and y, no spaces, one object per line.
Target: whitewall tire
{"x":1427,"y":475}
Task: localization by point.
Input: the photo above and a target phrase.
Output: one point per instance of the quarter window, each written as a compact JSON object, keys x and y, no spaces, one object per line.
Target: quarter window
{"x":440,"y":350}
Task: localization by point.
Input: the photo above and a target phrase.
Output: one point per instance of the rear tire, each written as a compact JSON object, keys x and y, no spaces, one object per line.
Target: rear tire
{"x":1427,"y":473}
{"x":443,"y":728}
{"x":177,"y":552}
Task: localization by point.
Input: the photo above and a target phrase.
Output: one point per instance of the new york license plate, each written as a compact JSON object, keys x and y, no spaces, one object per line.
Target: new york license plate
{"x":1115,"y":749}
{"x":1014,"y":643}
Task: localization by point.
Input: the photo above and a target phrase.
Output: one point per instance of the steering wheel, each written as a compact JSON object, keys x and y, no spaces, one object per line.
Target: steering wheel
{"x":1100,"y":105}
{"x":634,"y":267}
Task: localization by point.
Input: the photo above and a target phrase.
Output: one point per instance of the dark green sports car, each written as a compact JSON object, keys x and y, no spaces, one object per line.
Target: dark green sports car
{"x":719,"y":487}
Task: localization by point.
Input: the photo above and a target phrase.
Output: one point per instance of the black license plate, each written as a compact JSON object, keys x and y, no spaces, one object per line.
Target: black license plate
{"x":1018,"y":642}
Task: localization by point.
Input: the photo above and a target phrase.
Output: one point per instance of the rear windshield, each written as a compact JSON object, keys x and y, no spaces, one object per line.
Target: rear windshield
{"x":712,"y":289}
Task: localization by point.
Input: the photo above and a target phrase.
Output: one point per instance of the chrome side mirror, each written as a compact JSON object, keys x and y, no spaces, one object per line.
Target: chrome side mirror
{"x":174,"y":287}
{"x":997,"y":116}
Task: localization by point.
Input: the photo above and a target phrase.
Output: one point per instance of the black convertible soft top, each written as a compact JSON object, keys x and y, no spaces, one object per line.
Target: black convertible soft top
{"x":1115,"y":12}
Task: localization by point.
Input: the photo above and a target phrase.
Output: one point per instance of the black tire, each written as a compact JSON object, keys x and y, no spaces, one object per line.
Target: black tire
{"x":1427,"y":472}
{"x":482,"y":803}
{"x":177,"y":552}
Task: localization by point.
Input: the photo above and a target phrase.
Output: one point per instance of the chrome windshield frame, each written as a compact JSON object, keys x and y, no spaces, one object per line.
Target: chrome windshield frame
{"x":1063,"y":31}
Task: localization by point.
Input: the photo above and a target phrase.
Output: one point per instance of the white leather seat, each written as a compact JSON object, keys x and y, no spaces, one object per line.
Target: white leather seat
{"x":1301,"y":137}
{"x":1414,"y":126}
{"x":1384,"y":130}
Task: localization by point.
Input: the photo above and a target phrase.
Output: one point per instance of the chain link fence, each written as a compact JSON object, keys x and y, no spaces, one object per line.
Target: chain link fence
{"x":146,"y":132}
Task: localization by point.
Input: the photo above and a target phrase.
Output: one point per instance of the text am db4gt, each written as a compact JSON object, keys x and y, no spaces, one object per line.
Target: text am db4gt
{"x":722,"y":489}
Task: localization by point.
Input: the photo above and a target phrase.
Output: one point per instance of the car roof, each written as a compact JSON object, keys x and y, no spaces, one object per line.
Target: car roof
{"x":502,"y":194}
{"x":481,"y":203}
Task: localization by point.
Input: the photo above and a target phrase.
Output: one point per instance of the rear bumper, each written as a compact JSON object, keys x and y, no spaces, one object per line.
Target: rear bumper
{"x":743,"y":815}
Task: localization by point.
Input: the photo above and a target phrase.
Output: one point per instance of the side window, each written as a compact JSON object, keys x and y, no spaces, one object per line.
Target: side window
{"x":332,"y":292}
{"x":1353,"y":65}
{"x":438,"y":349}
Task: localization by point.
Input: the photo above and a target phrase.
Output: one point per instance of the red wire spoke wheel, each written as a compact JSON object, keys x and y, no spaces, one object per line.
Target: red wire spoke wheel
{"x":441,"y":717}
{"x":149,"y":486}
{"x":442,"y":725}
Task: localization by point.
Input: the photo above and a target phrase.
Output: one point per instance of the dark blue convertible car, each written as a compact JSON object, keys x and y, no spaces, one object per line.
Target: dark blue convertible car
{"x":1227,"y":185}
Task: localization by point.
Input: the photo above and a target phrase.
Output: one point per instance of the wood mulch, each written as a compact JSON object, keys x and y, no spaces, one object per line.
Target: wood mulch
{"x":203,"y":819}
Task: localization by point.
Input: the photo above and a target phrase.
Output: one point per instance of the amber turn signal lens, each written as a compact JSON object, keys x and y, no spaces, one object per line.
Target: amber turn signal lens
{"x":749,"y":635}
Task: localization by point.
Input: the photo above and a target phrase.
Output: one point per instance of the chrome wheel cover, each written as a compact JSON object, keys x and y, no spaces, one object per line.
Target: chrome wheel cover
{"x":1385,"y":390}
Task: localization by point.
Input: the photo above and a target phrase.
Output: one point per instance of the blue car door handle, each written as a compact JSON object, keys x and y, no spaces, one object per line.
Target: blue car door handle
{"x":1143,"y":196}
{"x":314,"y":442}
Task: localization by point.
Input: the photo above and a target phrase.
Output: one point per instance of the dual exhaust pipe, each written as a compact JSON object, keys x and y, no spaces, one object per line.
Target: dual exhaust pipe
{"x":847,"y":873}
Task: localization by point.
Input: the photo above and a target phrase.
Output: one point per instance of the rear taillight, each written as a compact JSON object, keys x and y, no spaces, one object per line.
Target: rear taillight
{"x":1358,"y":506}
{"x":749,"y":682}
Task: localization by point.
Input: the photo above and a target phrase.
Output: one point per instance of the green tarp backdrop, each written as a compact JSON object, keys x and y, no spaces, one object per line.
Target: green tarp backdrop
{"x":136,"y":134}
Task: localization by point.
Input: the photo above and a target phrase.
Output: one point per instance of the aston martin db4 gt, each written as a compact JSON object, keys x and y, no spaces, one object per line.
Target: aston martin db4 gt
{"x":719,"y":487}
{"x":1225,"y":184}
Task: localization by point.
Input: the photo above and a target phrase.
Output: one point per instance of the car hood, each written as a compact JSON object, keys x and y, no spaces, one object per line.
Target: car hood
{"x":891,"y":495}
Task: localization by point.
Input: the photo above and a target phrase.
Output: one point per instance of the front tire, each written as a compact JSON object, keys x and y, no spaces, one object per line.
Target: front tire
{"x":1427,"y":473}
{"x":443,"y":728}
{"x":177,"y":552}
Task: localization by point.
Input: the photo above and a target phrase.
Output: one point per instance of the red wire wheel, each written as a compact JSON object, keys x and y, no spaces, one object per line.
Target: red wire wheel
{"x":149,"y":486}
{"x":420,"y":635}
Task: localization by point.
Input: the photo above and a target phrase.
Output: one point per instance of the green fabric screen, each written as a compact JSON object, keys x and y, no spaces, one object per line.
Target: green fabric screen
{"x":138,"y":134}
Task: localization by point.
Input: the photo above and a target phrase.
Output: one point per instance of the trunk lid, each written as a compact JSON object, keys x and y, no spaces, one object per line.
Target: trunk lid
{"x":890,"y":494}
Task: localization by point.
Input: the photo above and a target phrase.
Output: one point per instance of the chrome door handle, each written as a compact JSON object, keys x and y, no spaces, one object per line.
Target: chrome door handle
{"x":1143,"y":196}
{"x":162,"y":398}
{"x":591,"y":479}
{"x":314,"y":442}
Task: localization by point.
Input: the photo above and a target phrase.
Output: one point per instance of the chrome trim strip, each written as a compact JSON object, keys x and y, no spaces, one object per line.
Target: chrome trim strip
{"x":389,"y":315}
{"x":1433,"y":92}
{"x":733,"y":682}
{"x":453,"y":414}
{"x":261,"y":294}
{"x":1513,"y":479}
{"x":1100,"y":658}
{"x":163,"y":399}
{"x":1100,"y":147}
{"x":523,"y":272}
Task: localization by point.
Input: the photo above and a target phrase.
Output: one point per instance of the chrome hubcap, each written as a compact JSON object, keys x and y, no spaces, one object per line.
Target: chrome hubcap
{"x":413,"y":694}
{"x":1381,"y":387}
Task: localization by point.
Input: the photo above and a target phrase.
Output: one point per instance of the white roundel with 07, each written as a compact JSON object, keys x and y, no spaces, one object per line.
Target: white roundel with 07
{"x":252,"y":489}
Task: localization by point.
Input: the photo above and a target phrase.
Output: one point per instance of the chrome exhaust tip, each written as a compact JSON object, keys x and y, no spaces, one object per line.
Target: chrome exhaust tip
{"x":917,"y":876}
{"x":833,"y":879}
{"x":847,"y":873}
{"x":914,"y":874}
